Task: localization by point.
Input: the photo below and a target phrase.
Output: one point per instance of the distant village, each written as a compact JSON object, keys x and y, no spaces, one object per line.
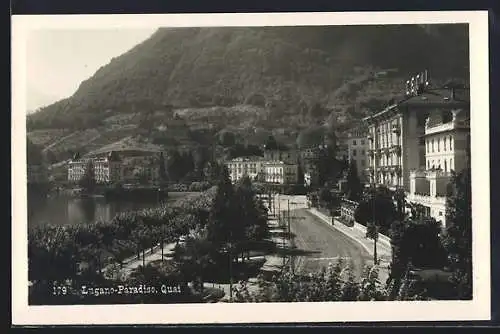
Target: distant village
{"x":414,"y":144}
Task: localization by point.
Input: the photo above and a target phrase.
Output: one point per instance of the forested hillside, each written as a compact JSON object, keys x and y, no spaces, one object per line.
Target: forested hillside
{"x":278,"y":79}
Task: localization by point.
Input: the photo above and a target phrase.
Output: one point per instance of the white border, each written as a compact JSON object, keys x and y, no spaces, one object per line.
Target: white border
{"x":478,"y":309}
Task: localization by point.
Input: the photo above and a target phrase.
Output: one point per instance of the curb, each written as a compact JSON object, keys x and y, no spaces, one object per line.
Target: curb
{"x":322,"y":217}
{"x":381,"y":237}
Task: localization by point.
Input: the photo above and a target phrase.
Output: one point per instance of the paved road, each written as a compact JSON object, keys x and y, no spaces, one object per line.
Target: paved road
{"x":320,"y":244}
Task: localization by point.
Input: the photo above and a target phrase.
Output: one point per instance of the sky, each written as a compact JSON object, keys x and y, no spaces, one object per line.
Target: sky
{"x":59,"y":60}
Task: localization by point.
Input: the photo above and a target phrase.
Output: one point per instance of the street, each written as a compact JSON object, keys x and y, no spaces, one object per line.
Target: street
{"x":320,"y":244}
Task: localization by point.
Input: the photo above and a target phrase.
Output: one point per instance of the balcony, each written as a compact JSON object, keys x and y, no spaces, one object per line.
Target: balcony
{"x":442,"y":127}
{"x":384,"y":169}
{"x":395,"y":169}
{"x":396,"y":149}
{"x":426,"y":199}
{"x":396,"y":129}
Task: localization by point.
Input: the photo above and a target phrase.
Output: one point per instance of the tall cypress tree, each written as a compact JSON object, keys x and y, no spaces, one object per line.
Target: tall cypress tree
{"x":354,"y":186}
{"x":162,"y":168}
{"x":222,"y":212}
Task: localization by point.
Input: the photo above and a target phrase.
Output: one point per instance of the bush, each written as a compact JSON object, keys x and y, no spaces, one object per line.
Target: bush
{"x":199,"y":186}
{"x":178,"y":187}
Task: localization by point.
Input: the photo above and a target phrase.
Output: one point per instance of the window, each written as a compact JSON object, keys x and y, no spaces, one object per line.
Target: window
{"x":438,"y":144}
{"x":353,"y":153}
{"x":440,"y":213}
{"x":428,"y":165}
{"x":362,"y":142}
{"x":354,"y":142}
{"x":362,"y":152}
{"x":450,"y":143}
{"x":432,"y":145}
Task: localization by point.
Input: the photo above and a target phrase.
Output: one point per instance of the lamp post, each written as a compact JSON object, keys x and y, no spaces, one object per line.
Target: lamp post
{"x":230,"y":251}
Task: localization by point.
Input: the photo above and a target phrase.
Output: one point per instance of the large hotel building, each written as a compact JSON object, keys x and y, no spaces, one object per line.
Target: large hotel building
{"x":416,"y":143}
{"x":277,"y":166}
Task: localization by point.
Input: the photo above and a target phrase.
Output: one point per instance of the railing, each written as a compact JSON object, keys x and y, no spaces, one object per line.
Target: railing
{"x":445,"y":126}
{"x":426,"y":199}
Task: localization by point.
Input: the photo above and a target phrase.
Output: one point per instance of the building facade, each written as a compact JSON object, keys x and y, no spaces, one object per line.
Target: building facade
{"x":286,"y":155}
{"x":106,"y":169}
{"x":280,"y":172}
{"x":309,"y":162}
{"x":342,"y":149}
{"x":357,"y":150}
{"x":253,"y":167}
{"x":413,"y":143}
{"x":446,"y":150}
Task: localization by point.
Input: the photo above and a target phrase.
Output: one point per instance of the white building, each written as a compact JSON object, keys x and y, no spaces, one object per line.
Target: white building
{"x":253,"y":167}
{"x":106,"y":169}
{"x":280,"y":172}
{"x":447,"y":144}
{"x":357,"y":150}
{"x":416,"y":142}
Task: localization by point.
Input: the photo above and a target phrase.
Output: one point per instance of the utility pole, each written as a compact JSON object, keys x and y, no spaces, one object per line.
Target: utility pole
{"x":230,"y":267}
{"x":289,"y":233}
{"x":279,"y":209}
{"x":288,"y":220}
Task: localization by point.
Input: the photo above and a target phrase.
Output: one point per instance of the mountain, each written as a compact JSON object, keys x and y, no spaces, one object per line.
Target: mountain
{"x":265,"y":77}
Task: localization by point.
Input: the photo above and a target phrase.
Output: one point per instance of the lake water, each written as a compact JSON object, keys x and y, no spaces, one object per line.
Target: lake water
{"x":62,"y":210}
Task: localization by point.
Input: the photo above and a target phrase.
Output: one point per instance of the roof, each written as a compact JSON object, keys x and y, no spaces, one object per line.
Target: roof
{"x":249,"y":158}
{"x":279,"y":162}
{"x":113,"y":156}
{"x":441,"y":97}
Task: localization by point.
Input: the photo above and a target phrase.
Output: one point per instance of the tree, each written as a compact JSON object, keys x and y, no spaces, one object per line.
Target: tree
{"x":311,"y":137}
{"x":227,"y":138}
{"x":354,"y":186}
{"x":222,"y":213}
{"x":376,"y":211}
{"x":458,"y":236}
{"x":251,"y":223}
{"x":174,"y":165}
{"x":372,"y":233}
{"x":194,"y":259}
{"x":162,"y":168}
{"x":52,"y":254}
{"x":271,"y":143}
{"x":316,"y":111}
